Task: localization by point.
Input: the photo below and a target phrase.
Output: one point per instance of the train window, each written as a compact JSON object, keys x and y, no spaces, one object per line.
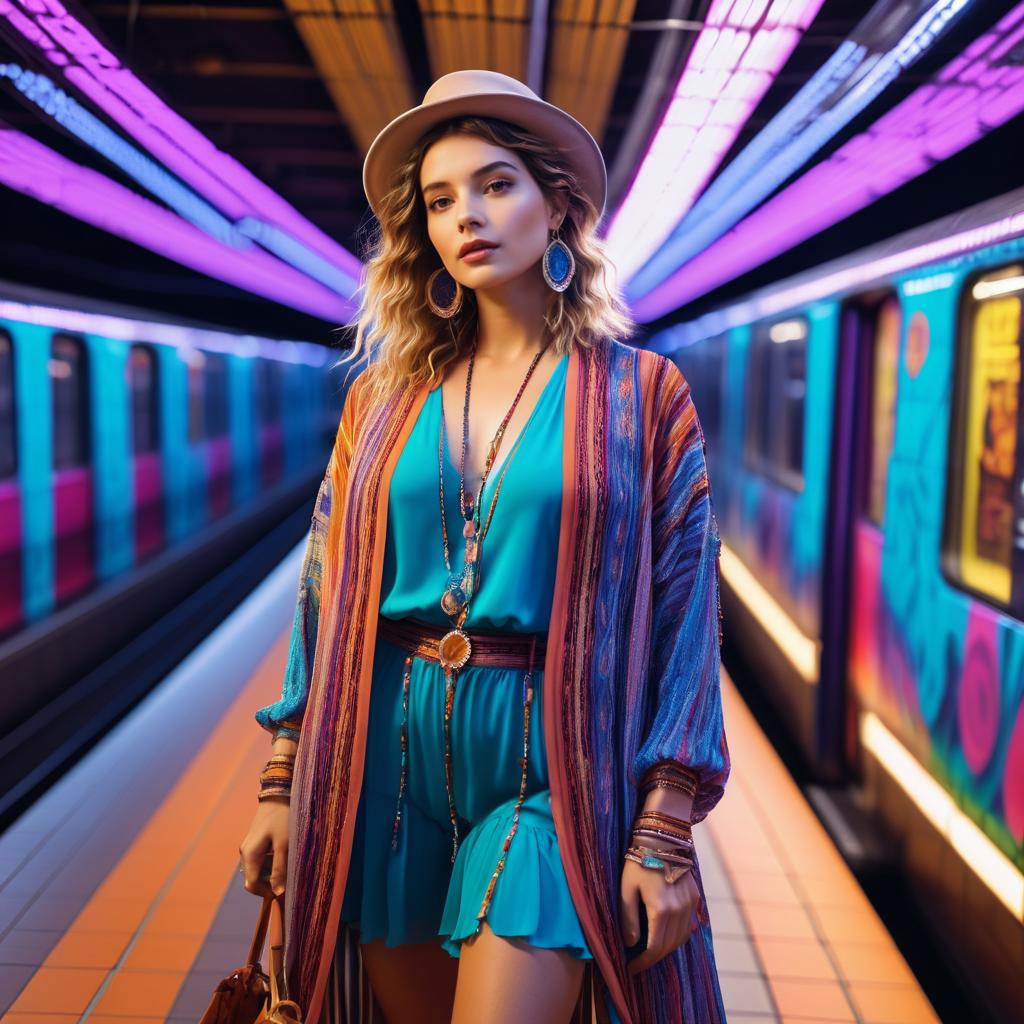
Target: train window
{"x":8,"y":447}
{"x":196,"y":363}
{"x":882,"y":329}
{"x":216,"y":395}
{"x":984,"y":523}
{"x":268,"y":390}
{"x":776,"y":382}
{"x":702,"y":365}
{"x":142,"y":397}
{"x":70,"y":397}
{"x":758,"y":411}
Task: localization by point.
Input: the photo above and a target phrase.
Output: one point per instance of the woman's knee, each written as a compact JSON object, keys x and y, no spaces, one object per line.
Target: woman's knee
{"x":506,"y":980}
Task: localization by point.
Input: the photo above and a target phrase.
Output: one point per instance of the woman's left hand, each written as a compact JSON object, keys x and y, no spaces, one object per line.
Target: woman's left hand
{"x":672,"y":912}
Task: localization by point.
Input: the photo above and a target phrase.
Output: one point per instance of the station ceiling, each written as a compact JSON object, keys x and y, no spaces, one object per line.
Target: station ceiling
{"x":297,"y":89}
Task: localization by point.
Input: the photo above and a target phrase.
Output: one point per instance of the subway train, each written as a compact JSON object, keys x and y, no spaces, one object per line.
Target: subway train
{"x":123,"y":434}
{"x":864,"y":442}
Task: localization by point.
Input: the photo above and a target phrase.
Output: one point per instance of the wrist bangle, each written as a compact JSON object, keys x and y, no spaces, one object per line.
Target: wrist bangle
{"x":669,"y":775}
{"x":649,"y":858}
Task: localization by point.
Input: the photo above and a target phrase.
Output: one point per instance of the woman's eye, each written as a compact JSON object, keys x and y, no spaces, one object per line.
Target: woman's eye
{"x":497,"y":181}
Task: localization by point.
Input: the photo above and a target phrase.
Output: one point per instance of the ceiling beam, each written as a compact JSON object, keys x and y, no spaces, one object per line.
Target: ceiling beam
{"x":357,"y":48}
{"x":588,"y":42}
{"x":489,"y":34}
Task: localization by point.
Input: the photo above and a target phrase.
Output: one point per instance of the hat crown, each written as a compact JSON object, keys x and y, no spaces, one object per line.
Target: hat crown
{"x":477,"y":92}
{"x":474,"y":81}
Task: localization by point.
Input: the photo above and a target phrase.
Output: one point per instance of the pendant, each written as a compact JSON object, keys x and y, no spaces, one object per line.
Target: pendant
{"x":454,"y":598}
{"x":453,"y":649}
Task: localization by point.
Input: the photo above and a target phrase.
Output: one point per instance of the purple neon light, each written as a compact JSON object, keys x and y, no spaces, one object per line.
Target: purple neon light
{"x":740,"y":50}
{"x":32,"y":168}
{"x":68,"y":45}
{"x":971,"y":96}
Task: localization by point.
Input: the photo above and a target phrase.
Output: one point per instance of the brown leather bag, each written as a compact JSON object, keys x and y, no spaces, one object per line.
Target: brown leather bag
{"x":248,"y":995}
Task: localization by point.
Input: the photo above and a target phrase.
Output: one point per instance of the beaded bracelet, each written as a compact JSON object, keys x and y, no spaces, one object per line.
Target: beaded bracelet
{"x":664,"y":827}
{"x":664,"y":819}
{"x":669,"y":775}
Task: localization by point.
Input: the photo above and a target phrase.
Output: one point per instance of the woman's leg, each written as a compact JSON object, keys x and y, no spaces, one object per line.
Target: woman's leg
{"x":507,"y":981}
{"x":414,"y":983}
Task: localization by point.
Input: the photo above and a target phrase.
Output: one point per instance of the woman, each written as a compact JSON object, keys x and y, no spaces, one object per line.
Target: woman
{"x":514,"y":550}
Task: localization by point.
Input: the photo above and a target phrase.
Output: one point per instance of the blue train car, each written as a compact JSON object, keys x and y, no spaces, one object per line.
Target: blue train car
{"x":864,"y":439}
{"x":122,"y":434}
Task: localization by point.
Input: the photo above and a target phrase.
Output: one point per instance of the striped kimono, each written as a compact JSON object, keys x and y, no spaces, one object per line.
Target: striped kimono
{"x":631,"y":675}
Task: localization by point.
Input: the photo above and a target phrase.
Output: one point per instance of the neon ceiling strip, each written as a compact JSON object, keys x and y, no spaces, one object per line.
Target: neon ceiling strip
{"x":977,"y":92}
{"x":879,"y":49}
{"x":153,"y":177}
{"x":738,"y":53}
{"x":71,"y":50}
{"x":37,"y":171}
{"x":70,"y":114}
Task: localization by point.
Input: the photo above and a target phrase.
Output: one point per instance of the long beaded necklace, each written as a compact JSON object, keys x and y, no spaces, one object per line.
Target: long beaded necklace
{"x":454,"y":648}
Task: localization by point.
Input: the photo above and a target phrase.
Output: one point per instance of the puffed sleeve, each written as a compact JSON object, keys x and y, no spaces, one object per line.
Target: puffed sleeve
{"x":284,"y":716}
{"x":686,"y":728}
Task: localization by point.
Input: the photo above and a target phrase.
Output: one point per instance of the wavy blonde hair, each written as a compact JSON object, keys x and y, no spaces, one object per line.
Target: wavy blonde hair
{"x":407,"y":344}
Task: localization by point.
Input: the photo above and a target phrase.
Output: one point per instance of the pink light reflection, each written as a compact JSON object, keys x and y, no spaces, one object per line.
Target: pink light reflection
{"x":174,"y":141}
{"x":734,"y":60}
{"x":936,"y":121}
{"x":37,"y":171}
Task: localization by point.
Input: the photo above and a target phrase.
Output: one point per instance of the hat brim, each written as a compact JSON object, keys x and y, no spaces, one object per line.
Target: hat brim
{"x":577,"y":145}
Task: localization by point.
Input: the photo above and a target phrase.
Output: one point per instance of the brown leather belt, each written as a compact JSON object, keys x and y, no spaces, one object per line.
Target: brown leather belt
{"x":493,"y":650}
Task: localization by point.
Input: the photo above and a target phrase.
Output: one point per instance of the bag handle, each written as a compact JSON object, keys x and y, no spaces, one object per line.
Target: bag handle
{"x":260,"y":935}
{"x":279,"y":1000}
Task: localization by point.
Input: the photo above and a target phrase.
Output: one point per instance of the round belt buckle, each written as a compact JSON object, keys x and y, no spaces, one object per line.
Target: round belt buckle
{"x":453,"y":649}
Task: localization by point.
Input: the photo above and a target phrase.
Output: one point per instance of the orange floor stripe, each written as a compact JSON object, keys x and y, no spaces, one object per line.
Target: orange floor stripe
{"x":154,"y":909}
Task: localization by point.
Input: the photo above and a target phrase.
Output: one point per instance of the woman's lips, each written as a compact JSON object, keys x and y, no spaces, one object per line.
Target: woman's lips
{"x":479,"y":255}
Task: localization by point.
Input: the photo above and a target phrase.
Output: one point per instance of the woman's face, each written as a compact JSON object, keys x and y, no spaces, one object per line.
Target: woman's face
{"x":474,"y":190}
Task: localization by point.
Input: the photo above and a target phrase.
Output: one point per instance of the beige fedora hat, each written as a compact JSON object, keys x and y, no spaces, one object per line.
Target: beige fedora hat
{"x":488,"y":94}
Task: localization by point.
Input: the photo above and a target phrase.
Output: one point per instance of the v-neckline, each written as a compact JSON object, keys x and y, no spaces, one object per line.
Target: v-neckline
{"x":496,"y":469}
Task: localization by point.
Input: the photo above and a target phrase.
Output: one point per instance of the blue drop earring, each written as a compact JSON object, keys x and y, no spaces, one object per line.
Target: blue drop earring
{"x":558,"y":264}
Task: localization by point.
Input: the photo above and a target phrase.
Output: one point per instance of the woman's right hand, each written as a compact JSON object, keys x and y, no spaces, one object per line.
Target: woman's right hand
{"x":267,"y":838}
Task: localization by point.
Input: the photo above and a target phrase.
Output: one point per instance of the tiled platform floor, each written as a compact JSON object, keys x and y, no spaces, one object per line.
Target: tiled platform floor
{"x":120,"y":900}
{"x":796,"y":939}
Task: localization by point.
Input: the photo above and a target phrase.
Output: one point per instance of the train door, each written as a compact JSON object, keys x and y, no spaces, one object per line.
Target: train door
{"x":865,"y":421}
{"x":268,"y":413}
{"x":11,"y":608}
{"x":147,"y":464}
{"x":218,"y":438}
{"x":73,"y":484}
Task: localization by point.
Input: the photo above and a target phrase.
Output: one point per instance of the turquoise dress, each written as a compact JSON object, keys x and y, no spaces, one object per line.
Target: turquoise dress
{"x":415,"y":894}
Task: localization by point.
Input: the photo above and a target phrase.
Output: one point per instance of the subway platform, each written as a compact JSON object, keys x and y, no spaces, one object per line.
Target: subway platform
{"x":121,"y":902}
